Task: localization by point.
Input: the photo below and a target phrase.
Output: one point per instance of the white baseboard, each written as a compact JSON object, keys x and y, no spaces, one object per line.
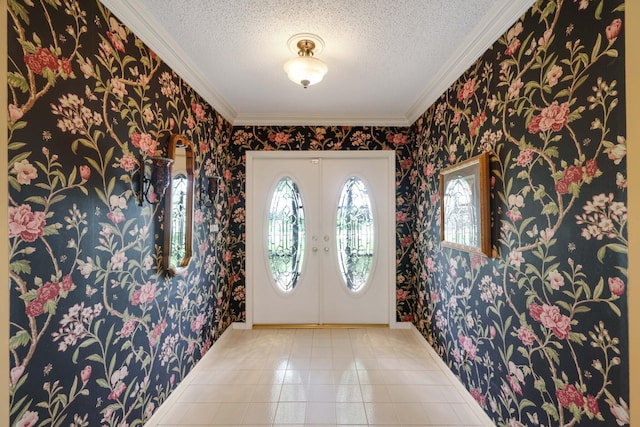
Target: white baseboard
{"x":455,"y":381}
{"x":400,"y":325}
{"x":241,"y":325}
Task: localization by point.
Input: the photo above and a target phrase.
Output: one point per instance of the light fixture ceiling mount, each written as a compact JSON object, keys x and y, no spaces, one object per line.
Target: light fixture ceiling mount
{"x":305,"y":69}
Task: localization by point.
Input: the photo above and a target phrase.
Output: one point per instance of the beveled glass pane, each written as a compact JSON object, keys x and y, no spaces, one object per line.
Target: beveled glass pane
{"x":285,"y":234}
{"x":460,"y":215}
{"x":178,"y":219}
{"x":354,"y":234}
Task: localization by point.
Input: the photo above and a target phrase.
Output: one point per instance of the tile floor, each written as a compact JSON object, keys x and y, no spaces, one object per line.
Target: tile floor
{"x":318,"y":377}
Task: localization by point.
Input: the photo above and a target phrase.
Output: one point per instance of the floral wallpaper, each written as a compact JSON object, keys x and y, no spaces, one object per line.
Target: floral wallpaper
{"x":258,"y":138}
{"x":538,"y":334}
{"x":99,"y":335}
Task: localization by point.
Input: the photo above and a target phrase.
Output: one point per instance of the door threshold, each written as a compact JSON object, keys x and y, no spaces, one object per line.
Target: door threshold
{"x":320,"y":326}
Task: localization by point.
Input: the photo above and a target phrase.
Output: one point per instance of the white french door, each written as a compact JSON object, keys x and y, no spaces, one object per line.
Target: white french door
{"x":320,"y":237}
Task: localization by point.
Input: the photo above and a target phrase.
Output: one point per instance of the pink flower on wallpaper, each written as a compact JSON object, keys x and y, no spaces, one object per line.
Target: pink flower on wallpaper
{"x":29,"y":419}
{"x":198,"y":110}
{"x":592,"y":405}
{"x":613,"y":30}
{"x":43,"y":58}
{"x":401,"y":216}
{"x":514,"y":88}
{"x":144,"y":142}
{"x":526,"y":335}
{"x":280,"y":138}
{"x":26,"y":224}
{"x":591,"y":167}
{"x":117,"y":260}
{"x":117,"y":391}
{"x":144,"y":295}
{"x":479,"y":397}
{"x":15,"y":113}
{"x":24,"y":172}
{"x":616,"y":286}
{"x":128,"y":328}
{"x":116,"y":216}
{"x":553,"y":75}
{"x":119,"y":88}
{"x":513,"y":47}
{"x":551,"y":318}
{"x":190,"y":122}
{"x":468,"y":345}
{"x":85,"y":172}
{"x":128,"y":162}
{"x":569,"y":395}
{"x":35,"y":308}
{"x":397,"y":139}
{"x":514,"y":215}
{"x":198,"y":323}
{"x":430,"y":264}
{"x":556,"y":281}
{"x":85,"y":374}
{"x":515,"y":384}
{"x":49,"y":291}
{"x":16,"y":373}
{"x":430,"y":170}
{"x":116,"y":41}
{"x":476,"y":123}
{"x":401,"y":295}
{"x":516,"y":258}
{"x":553,"y":117}
{"x":467,"y":90}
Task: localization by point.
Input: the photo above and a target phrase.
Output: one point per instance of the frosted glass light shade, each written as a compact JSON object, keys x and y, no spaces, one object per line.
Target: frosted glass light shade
{"x":305,"y":70}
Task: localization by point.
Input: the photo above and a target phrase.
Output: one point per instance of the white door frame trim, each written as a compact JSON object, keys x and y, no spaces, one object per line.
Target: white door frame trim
{"x":251,"y":156}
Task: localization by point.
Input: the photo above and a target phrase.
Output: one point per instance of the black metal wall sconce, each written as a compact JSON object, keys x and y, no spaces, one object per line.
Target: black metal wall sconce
{"x":159,"y":178}
{"x":209,"y":188}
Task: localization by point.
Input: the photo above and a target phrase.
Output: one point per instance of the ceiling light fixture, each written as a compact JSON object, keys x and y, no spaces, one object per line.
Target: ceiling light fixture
{"x":306,"y":69}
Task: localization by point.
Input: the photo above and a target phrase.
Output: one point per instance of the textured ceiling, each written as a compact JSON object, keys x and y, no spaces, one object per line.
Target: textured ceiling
{"x":388,"y":60}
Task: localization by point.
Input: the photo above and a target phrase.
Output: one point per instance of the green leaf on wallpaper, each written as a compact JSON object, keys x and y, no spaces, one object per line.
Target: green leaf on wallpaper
{"x":619,"y":8}
{"x":551,"y":7}
{"x":524,"y":403}
{"x":103,"y":383}
{"x":17,"y":81}
{"x":550,"y":209}
{"x":39,"y":200}
{"x":20,"y":266}
{"x":597,"y":292}
{"x":614,"y":308}
{"x":596,"y":48}
{"x":20,"y":339}
{"x":613,"y":53}
{"x":540,"y":385}
{"x":550,"y":409}
{"x":615,"y":247}
{"x":94,"y":357}
{"x":101,"y":196}
{"x":598,"y":14}
{"x":552,"y":354}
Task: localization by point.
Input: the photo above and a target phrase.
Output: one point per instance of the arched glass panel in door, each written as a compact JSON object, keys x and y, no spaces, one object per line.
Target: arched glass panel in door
{"x":285,"y":234}
{"x":355,"y":234}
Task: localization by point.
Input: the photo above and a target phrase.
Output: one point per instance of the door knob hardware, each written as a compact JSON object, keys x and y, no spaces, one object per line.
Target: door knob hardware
{"x":326,"y":249}
{"x":314,"y":249}
{"x":326,"y":238}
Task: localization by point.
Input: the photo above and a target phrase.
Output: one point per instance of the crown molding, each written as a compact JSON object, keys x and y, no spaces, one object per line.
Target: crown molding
{"x":319,"y":120}
{"x":151,"y":32}
{"x":500,"y":18}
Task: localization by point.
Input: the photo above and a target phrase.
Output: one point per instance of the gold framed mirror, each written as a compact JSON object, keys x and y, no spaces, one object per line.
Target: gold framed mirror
{"x":178,"y":212}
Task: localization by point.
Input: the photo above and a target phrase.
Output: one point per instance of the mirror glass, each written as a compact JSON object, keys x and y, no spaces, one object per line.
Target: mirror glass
{"x":179,"y":206}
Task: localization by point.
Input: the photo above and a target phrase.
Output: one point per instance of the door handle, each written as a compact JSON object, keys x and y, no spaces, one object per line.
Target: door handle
{"x":326,"y":249}
{"x":314,"y":249}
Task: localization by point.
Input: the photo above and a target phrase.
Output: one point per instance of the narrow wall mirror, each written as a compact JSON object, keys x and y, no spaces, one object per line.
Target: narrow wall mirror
{"x":178,"y":219}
